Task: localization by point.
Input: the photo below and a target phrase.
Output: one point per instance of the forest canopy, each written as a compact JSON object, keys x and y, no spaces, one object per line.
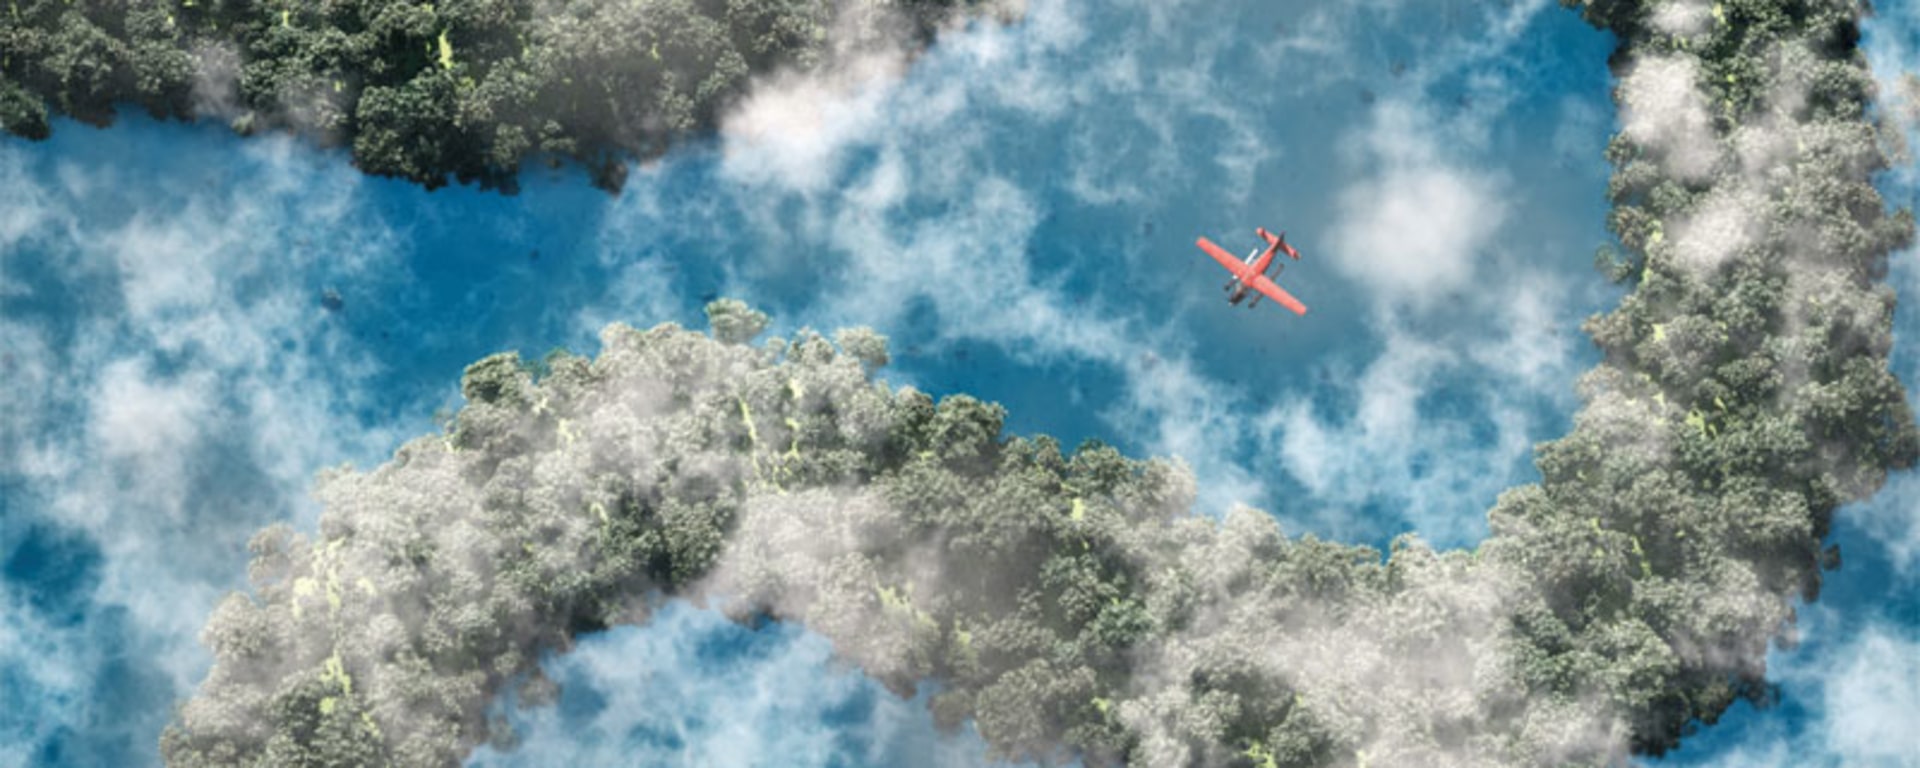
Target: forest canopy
{"x":1071,"y":602}
{"x":427,"y":91}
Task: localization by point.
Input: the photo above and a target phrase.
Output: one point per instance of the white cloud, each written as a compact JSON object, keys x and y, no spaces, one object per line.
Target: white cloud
{"x":641,"y":288}
{"x":1683,"y":18}
{"x":794,"y":130}
{"x":1432,"y":470}
{"x":178,"y":402}
{"x":1193,"y":417}
{"x":22,"y":209}
{"x":1872,"y":697}
{"x":32,"y":382}
{"x":1893,"y":518}
{"x":149,"y":428}
{"x":1662,"y":109}
{"x":1727,"y":220}
{"x":1330,"y":36}
{"x":1426,"y":232}
{"x":1535,"y":340}
{"x":1415,"y":231}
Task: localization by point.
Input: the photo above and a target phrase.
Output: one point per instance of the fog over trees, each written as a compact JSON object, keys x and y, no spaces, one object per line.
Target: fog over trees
{"x":1071,"y":602}
{"x":427,"y":91}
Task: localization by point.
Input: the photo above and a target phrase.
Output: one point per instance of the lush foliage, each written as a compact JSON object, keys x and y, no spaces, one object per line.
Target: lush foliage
{"x":422,"y":90}
{"x":1745,"y":392}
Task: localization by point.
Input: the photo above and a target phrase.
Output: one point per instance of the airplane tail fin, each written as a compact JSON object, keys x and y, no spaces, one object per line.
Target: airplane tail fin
{"x":1278,"y":242}
{"x":1282,"y":242}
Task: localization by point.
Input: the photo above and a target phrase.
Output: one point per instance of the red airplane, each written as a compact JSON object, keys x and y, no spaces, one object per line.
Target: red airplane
{"x":1251,"y":272}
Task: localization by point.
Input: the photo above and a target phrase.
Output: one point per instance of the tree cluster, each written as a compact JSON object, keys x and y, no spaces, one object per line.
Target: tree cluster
{"x":467,"y":89}
{"x":1069,"y":602}
{"x":1745,"y":393}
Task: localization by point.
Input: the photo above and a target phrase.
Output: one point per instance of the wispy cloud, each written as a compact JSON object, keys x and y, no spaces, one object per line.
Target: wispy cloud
{"x":178,"y":382}
{"x":1414,"y":222}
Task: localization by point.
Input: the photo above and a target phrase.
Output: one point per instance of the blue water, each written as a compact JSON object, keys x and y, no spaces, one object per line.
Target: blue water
{"x":1017,"y":213}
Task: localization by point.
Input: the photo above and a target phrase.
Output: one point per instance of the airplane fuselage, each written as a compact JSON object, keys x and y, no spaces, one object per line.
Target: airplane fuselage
{"x":1236,"y":287}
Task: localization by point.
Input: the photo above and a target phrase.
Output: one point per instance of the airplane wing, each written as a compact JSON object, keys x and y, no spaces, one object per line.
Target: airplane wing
{"x":1273,"y":291}
{"x":1236,"y":266}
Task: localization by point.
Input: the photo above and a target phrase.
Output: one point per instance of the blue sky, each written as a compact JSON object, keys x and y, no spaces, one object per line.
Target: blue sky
{"x":1016,"y":210}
